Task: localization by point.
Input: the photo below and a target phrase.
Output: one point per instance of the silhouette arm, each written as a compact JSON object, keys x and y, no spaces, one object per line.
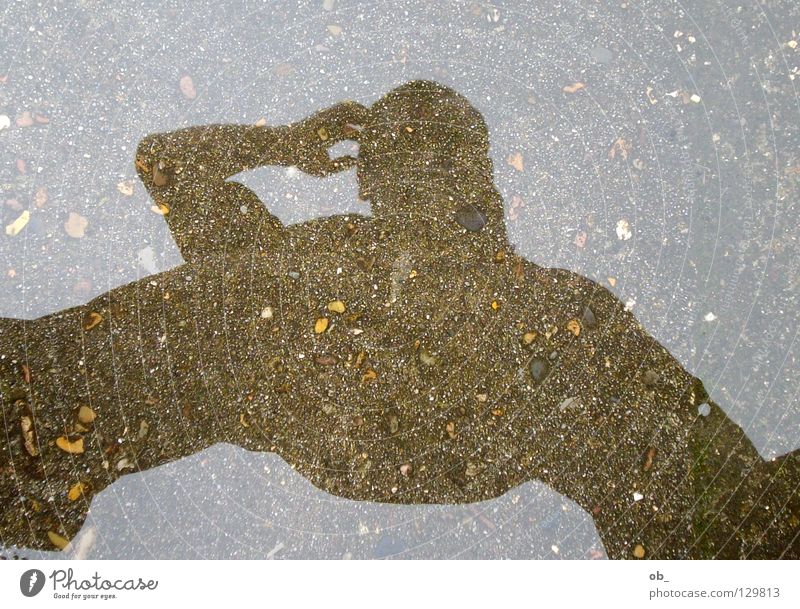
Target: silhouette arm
{"x":210,"y":153}
{"x":185,"y":172}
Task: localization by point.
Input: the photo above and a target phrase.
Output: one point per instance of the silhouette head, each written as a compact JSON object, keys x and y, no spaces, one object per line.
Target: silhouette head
{"x":424,"y":151}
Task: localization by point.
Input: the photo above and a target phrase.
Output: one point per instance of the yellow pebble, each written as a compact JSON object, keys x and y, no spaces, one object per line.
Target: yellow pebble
{"x":574,"y":326}
{"x":93,"y":319}
{"x":86,"y":415}
{"x":321,"y":325}
{"x":337,"y":306}
{"x":76,"y":491}
{"x":57,"y":540}
{"x":73,"y":448}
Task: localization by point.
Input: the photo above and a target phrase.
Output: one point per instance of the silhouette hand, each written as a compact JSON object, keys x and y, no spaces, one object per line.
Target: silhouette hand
{"x":310,"y":139}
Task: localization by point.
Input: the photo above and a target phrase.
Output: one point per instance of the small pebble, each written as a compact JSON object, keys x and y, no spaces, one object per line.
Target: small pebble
{"x":624,"y":230}
{"x":650,"y":378}
{"x":574,"y":326}
{"x":57,"y":540}
{"x":160,"y":178}
{"x":471,"y":218}
{"x":337,"y":306}
{"x":124,"y":463}
{"x":147,"y":260}
{"x":648,"y":461}
{"x":186,"y":85}
{"x":539,"y":369}
{"x":588,"y":319}
{"x":75,"y":226}
{"x":601,"y":55}
{"x":76,"y":491}
{"x":73,"y":447}
{"x":92,"y":320}
{"x":638,"y":551}
{"x":17,"y":225}
{"x":426,"y":358}
{"x":25,"y":119}
{"x":516,"y":160}
{"x":569,"y":403}
{"x":86,"y":415}
{"x":472,"y":469}
{"x":704,"y":410}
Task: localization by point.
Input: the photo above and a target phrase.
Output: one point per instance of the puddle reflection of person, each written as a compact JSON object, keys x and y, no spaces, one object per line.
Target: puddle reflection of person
{"x":407,"y":357}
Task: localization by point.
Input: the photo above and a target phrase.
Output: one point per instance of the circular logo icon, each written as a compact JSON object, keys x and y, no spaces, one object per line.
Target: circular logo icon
{"x":31,"y":582}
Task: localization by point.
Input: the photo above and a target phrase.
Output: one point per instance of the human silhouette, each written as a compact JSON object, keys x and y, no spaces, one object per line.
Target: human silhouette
{"x":407,"y":357}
